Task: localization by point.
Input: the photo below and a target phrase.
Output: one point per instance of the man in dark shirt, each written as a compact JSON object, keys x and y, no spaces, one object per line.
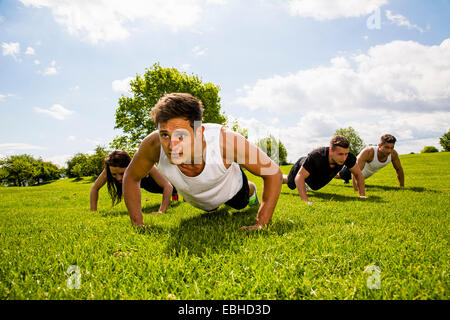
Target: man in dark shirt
{"x":321,"y":166}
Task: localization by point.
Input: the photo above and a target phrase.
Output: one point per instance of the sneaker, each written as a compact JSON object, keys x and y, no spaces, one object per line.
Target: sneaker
{"x":253,"y":200}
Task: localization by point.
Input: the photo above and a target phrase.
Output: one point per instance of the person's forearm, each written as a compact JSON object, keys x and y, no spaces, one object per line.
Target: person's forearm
{"x":361,"y":186}
{"x":94,"y":199}
{"x":355,"y":183}
{"x":401,"y":178}
{"x":270,"y":194}
{"x":301,"y":187}
{"x":132,"y":197}
{"x":167,"y":193}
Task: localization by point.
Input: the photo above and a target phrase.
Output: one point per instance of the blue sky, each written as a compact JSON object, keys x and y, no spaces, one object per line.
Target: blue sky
{"x":298,"y":69}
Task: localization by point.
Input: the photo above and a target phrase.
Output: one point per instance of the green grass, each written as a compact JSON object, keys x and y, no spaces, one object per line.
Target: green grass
{"x":317,"y":252}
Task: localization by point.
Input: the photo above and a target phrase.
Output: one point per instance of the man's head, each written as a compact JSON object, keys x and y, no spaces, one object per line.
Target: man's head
{"x":339,"y":149}
{"x":387,"y":143}
{"x":177,"y":115}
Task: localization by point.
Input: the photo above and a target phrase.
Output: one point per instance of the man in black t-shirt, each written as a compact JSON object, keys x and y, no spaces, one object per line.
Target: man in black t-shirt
{"x":321,"y":166}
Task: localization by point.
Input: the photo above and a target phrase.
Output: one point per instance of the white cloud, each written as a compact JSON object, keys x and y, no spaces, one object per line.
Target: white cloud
{"x":122,"y":85}
{"x":16,"y":147}
{"x":327,"y":10}
{"x":71,"y":138}
{"x":36,"y":62}
{"x":11,"y":49}
{"x":30,"y":51}
{"x":400,"y":75}
{"x":109,"y":20}
{"x":57,"y":111}
{"x":400,"y":88}
{"x":4,"y":96}
{"x":185,"y":67}
{"x":198,"y":51}
{"x":59,"y":160}
{"x":402,"y":21}
{"x":51,"y":70}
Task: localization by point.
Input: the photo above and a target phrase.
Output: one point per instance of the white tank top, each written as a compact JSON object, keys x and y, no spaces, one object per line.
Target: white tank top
{"x":371,"y":167}
{"x":215,"y":185}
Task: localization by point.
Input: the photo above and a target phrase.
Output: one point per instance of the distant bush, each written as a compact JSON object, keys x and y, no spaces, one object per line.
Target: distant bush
{"x":429,"y":149}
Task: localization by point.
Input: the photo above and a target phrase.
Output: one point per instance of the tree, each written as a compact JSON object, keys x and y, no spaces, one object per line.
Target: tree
{"x":133,"y":113}
{"x":77,"y":166}
{"x":356,"y":143}
{"x":24,"y":170}
{"x":445,"y":141}
{"x":84,"y":165}
{"x":271,"y":143}
{"x":237,"y":128}
{"x":429,"y":149}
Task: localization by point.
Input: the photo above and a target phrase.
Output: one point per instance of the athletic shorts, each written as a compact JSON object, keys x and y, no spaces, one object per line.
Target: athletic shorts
{"x":240,"y":199}
{"x":293,"y":173}
{"x":150,"y":185}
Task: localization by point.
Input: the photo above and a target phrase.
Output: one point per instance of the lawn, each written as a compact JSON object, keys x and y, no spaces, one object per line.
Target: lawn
{"x":317,"y":252}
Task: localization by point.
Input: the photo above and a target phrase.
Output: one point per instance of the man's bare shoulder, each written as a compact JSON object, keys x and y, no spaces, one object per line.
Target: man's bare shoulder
{"x":395,"y":155}
{"x":150,"y":147}
{"x":152,"y":140}
{"x":367,"y":154}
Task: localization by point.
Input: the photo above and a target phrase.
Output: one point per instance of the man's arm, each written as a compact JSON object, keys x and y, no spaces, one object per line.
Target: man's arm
{"x":249,"y":156}
{"x":140,"y":165}
{"x":98,"y":184}
{"x":361,"y":161}
{"x":356,"y":172}
{"x":167,"y":188}
{"x":398,"y":168}
{"x":300,"y":178}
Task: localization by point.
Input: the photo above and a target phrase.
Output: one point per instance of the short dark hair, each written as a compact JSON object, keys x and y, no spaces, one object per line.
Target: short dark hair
{"x":177,"y":105}
{"x":387,"y":138}
{"x":339,"y":141}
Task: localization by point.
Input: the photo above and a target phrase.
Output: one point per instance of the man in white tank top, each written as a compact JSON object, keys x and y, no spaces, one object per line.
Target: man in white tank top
{"x":202,"y":161}
{"x":372,"y":159}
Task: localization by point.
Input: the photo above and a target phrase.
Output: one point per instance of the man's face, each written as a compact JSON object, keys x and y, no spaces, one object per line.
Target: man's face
{"x":386,"y":148}
{"x":339,"y":155}
{"x":177,"y":139}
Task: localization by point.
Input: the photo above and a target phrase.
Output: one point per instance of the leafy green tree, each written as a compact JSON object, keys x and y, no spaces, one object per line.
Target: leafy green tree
{"x":429,"y":149}
{"x":24,"y":170}
{"x":84,"y":165}
{"x":356,"y":143}
{"x":133,"y":113}
{"x":46,"y":171}
{"x":95,"y":162}
{"x":237,"y":128}
{"x":77,"y":166}
{"x":445,"y":141}
{"x":271,"y":143}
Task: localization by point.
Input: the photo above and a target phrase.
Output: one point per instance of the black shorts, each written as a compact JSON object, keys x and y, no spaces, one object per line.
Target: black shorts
{"x":293,"y":173}
{"x":345,"y":174}
{"x":240,"y":199}
{"x":150,"y":185}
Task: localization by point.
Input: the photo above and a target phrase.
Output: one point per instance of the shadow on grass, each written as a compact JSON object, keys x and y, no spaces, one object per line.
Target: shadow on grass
{"x":212,"y":232}
{"x":336,"y":197}
{"x":145,"y":210}
{"x":389,"y":188}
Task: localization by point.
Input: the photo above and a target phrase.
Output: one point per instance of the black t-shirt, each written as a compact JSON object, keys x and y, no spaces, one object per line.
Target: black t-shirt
{"x":318,"y":166}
